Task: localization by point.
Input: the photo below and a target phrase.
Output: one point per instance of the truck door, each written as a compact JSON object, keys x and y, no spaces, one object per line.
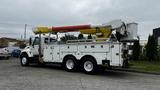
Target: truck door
{"x":51,"y":53}
{"x":115,"y":54}
{"x":35,"y":46}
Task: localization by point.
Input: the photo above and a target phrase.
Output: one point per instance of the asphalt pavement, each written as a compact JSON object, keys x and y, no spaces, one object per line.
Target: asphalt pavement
{"x":15,"y":77}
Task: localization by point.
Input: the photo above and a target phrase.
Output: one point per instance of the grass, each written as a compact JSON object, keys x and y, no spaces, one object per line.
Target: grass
{"x":145,"y":66}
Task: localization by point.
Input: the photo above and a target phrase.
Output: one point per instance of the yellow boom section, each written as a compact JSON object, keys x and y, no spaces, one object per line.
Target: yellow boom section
{"x":39,"y":30}
{"x":100,"y":32}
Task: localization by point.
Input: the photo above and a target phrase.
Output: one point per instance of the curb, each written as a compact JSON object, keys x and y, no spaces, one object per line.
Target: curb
{"x":131,"y":70}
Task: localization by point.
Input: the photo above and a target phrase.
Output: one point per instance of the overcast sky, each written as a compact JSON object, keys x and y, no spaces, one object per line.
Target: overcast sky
{"x":15,"y":13}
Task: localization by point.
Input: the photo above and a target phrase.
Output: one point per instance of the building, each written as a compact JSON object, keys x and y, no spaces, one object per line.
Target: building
{"x":4,"y":42}
{"x":143,"y":43}
{"x":156,"y":34}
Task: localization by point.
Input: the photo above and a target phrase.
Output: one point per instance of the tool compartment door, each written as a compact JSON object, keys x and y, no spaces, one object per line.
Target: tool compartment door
{"x":115,"y":54}
{"x":47,"y":53}
{"x":55,"y":53}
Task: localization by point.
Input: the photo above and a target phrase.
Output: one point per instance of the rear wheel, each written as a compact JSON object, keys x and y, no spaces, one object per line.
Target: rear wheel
{"x":89,"y":66}
{"x":24,"y":60}
{"x":70,"y":64}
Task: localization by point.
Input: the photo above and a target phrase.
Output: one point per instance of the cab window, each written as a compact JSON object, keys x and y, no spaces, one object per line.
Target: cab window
{"x":36,"y":41}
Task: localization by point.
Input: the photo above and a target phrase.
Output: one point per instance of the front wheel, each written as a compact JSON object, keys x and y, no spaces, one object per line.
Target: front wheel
{"x":89,"y":66}
{"x":24,"y":60}
{"x":70,"y":64}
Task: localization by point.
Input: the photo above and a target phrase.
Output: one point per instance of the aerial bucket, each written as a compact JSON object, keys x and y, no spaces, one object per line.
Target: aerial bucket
{"x":131,"y":32}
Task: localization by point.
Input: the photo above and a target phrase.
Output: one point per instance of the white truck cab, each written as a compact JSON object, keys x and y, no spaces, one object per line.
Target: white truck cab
{"x":33,"y":49}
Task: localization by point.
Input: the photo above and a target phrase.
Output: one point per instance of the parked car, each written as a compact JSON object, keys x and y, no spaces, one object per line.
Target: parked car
{"x":16,"y":53}
{"x":11,"y":48}
{"x":4,"y":53}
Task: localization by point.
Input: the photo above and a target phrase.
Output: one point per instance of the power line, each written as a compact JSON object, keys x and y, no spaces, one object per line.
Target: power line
{"x":25,"y":27}
{"x":9,"y":33}
{"x":9,"y":23}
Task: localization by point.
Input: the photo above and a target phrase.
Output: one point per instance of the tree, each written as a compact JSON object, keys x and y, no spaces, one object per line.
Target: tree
{"x":136,"y":50}
{"x":151,"y":48}
{"x":80,"y":36}
{"x":89,"y":36}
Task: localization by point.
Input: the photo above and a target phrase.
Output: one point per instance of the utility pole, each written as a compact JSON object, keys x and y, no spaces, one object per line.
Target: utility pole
{"x":21,"y":37}
{"x":25,"y":27}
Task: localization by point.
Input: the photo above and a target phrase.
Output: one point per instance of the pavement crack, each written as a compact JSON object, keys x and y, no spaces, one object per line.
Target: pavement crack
{"x":82,"y":84}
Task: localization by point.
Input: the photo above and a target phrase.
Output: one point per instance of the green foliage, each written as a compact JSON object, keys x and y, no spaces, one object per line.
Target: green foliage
{"x":158,"y":56}
{"x":136,"y":50}
{"x":80,"y":36}
{"x":89,"y":36}
{"x":151,"y":48}
{"x":143,"y":54}
{"x":68,"y":37}
{"x":145,"y":66}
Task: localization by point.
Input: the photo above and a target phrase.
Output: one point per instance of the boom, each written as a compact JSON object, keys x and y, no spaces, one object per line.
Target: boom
{"x":127,"y":31}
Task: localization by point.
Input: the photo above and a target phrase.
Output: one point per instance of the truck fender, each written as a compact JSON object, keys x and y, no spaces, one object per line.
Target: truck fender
{"x":28,"y":52}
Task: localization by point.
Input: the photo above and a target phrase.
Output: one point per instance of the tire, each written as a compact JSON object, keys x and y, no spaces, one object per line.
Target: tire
{"x":24,"y":60}
{"x":70,"y":64}
{"x":89,"y":66}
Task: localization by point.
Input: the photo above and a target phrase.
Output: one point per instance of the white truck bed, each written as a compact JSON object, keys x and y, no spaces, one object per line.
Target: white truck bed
{"x":99,"y":50}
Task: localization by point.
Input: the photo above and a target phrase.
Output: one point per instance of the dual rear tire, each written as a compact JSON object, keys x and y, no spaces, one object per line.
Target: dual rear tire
{"x":88,"y":65}
{"x":70,"y":64}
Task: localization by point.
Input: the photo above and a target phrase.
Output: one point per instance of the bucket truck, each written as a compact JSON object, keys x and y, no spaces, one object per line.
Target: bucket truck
{"x":87,"y":55}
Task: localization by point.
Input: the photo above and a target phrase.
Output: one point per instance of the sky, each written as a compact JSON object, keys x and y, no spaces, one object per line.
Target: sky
{"x":14,"y":14}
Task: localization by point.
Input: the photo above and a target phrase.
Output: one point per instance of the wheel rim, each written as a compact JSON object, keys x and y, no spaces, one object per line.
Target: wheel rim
{"x":88,"y":66}
{"x":24,"y":60}
{"x":69,"y":64}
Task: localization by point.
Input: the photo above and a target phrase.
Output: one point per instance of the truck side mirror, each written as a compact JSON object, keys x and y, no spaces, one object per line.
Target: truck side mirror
{"x":30,"y":41}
